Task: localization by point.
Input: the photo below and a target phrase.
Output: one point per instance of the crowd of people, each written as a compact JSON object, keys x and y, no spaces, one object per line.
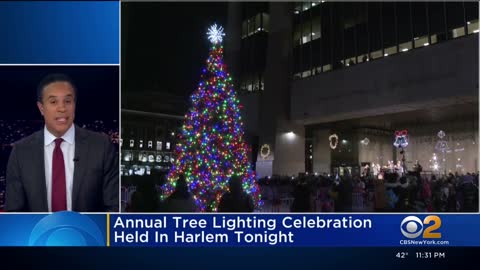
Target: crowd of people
{"x":386,"y":192}
{"x":145,"y":196}
{"x":391,"y":192}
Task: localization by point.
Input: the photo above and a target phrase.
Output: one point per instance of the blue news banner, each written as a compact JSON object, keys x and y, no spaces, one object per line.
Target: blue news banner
{"x":240,"y":230}
{"x":294,"y":230}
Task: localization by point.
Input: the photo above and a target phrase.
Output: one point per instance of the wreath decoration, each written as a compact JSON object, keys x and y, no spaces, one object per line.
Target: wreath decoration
{"x":265,"y":151}
{"x":333,"y":144}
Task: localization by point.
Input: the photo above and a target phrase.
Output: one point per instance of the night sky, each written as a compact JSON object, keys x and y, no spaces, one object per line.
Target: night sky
{"x":97,"y":91}
{"x":164,"y":45}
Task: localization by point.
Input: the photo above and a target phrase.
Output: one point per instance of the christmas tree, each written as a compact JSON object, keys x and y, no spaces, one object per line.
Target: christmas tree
{"x":211,"y":147}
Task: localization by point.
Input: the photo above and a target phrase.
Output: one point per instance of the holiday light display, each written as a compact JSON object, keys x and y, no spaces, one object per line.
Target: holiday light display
{"x":333,"y":139}
{"x":401,"y":139}
{"x":441,"y":145}
{"x":211,"y":147}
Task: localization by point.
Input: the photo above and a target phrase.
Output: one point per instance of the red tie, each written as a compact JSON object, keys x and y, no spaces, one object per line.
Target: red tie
{"x":59,"y":189}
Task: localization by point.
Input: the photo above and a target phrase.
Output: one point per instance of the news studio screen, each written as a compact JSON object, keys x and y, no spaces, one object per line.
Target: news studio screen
{"x":275,"y":134}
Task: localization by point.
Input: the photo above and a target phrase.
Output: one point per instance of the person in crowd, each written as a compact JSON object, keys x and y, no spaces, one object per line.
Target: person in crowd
{"x":236,"y":199}
{"x":301,"y":198}
{"x":145,"y":198}
{"x":469,"y":194}
{"x":181,"y":200}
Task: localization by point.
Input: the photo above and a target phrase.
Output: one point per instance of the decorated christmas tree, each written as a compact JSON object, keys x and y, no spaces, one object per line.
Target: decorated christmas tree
{"x":211,"y":147}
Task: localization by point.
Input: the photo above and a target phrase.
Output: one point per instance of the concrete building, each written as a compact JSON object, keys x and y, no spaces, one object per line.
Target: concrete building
{"x":150,"y":123}
{"x":361,"y":71}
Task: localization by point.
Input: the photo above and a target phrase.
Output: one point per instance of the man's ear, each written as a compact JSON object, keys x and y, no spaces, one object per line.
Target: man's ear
{"x":40,"y":107}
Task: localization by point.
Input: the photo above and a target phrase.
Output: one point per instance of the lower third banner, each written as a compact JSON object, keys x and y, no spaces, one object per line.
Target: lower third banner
{"x":240,"y":230}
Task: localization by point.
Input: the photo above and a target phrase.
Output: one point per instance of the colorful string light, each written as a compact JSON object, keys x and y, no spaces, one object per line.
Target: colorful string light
{"x":210,"y":145}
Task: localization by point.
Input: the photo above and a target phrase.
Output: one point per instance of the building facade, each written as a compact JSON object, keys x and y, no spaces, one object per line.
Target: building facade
{"x":340,"y":78}
{"x":150,"y":124}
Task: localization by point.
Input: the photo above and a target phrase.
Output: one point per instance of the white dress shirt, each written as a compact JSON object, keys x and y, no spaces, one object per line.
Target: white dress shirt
{"x":68,"y":150}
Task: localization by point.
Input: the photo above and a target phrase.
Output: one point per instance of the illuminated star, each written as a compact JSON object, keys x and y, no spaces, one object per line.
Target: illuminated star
{"x":215,"y":35}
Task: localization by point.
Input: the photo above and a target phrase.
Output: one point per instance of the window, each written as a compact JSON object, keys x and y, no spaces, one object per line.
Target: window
{"x":471,"y":16}
{"x":244,"y":29}
{"x":258,"y":22}
{"x":404,"y":26}
{"x":436,"y":15}
{"x":297,"y":35}
{"x":255,"y":24}
{"x":265,"y":22}
{"x":306,"y":6}
{"x":251,"y":26}
{"x":362,"y":33}
{"x":316,"y":28}
{"x":306,"y":32}
{"x":420,"y":30}
{"x":421,"y":41}
{"x":455,"y":19}
{"x":472,"y":26}
{"x":389,"y":28}
{"x":374,"y":29}
{"x":306,"y":73}
{"x":297,"y":8}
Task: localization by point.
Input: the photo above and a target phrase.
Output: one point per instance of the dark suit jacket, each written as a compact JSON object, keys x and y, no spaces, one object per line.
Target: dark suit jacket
{"x":95,"y":174}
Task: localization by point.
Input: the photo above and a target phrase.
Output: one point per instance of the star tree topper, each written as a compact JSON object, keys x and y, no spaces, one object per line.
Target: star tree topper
{"x":215,"y":34}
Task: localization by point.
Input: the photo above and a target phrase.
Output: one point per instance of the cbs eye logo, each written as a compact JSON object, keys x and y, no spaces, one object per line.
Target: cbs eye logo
{"x":66,"y":229}
{"x":413,"y":227}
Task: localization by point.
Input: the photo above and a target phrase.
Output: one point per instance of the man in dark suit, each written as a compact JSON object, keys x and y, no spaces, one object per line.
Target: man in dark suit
{"x":62,"y":167}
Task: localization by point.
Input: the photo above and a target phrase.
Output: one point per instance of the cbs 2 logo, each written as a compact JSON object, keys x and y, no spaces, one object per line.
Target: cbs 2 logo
{"x":412,"y":227}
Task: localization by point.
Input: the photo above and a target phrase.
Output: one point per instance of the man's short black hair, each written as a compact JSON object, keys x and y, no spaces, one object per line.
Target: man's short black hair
{"x":51,"y":78}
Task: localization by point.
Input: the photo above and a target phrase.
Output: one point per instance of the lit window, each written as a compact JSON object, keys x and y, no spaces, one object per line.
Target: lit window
{"x":420,"y":41}
{"x":306,"y":73}
{"x":362,"y":58}
{"x":458,"y":32}
{"x":350,"y":61}
{"x":472,"y":26}
{"x":159,"y":145}
{"x":390,"y":50}
{"x":405,"y":46}
{"x":376,"y":54}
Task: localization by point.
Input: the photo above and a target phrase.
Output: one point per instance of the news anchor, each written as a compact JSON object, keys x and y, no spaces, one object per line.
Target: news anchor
{"x":61,"y":167}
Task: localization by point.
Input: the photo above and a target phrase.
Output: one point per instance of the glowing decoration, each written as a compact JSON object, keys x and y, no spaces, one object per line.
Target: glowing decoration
{"x":265,"y":151}
{"x":401,"y":139}
{"x":434,"y":165}
{"x":210,"y":145}
{"x":365,"y":141}
{"x":215,"y":35}
{"x":441,"y":144}
{"x":333,"y":141}
{"x":441,"y":134}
